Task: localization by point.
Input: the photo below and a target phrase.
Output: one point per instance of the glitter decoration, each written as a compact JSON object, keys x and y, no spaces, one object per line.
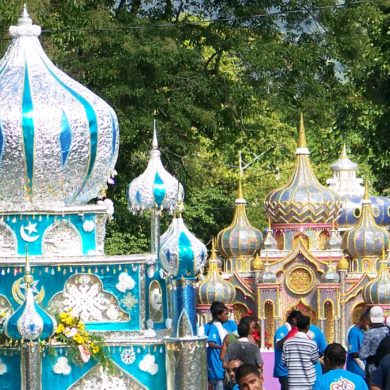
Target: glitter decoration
{"x":128,"y":355}
{"x":155,"y":188}
{"x":58,"y":140}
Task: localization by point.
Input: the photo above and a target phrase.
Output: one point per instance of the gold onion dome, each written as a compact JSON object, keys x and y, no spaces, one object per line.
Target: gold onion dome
{"x":303,"y":199}
{"x":214,"y":287}
{"x":240,"y":239}
{"x":343,"y":264}
{"x":377,"y":292}
{"x":367,"y":239}
{"x":257,"y":264}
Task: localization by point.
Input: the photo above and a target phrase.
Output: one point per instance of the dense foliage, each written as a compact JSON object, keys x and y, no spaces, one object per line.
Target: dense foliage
{"x":222,"y":77}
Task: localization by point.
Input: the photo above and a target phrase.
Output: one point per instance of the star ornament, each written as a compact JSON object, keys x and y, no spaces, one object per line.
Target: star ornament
{"x":31,"y":228}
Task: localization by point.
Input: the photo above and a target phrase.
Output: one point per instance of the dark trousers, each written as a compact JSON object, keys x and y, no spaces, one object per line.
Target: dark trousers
{"x":283,"y":380}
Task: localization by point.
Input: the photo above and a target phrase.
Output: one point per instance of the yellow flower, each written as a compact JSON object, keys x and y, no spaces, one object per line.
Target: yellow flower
{"x":95,"y":349}
{"x":78,"y":339}
{"x":63,"y":316}
{"x":60,"y":328}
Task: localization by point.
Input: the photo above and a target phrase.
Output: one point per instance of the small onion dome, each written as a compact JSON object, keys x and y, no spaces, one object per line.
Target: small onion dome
{"x":344,"y":163}
{"x":58,"y":140}
{"x":30,"y":321}
{"x":330,"y":275}
{"x":269,"y":239}
{"x":367,"y":239}
{"x":343,"y":265}
{"x":377,"y":292}
{"x":214,"y":287}
{"x":257,"y":263}
{"x":303,"y":199}
{"x":240,"y":239}
{"x":267,"y":276}
{"x":335,"y":241}
{"x":182,"y":254}
{"x":155,"y":188}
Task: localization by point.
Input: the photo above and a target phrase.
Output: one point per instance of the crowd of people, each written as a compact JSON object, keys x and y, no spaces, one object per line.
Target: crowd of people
{"x":303,"y":359}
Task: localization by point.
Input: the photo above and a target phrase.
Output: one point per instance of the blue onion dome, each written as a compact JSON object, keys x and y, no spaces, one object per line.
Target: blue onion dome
{"x":30,"y":321}
{"x":155,"y":188}
{"x":58,"y":140}
{"x":182,"y":254}
{"x":330,"y":275}
{"x":240,"y":239}
{"x":303,"y":199}
{"x":377,"y":292}
{"x":214,"y":287}
{"x":367,"y":239}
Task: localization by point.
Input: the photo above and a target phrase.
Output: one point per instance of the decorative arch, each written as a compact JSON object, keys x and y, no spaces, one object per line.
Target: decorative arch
{"x":62,"y":239}
{"x":7,"y":241}
{"x":307,"y":310}
{"x":240,"y":310}
{"x":329,"y":323}
{"x":83,"y":294}
{"x":323,"y":239}
{"x":279,"y":237}
{"x":155,"y":302}
{"x":301,"y":237}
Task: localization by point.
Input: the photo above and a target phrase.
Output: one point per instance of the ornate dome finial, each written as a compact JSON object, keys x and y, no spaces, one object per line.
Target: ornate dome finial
{"x":366,"y":239}
{"x":303,"y":199}
{"x":301,"y":134}
{"x":214,"y":287}
{"x":330,"y":275}
{"x":29,"y":321}
{"x":267,"y":276}
{"x":155,"y":187}
{"x":343,"y":154}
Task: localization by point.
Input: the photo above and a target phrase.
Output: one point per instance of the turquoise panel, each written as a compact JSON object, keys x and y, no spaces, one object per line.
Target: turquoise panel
{"x":10,"y":361}
{"x":30,"y":230}
{"x":53,"y":279}
{"x":159,"y":190}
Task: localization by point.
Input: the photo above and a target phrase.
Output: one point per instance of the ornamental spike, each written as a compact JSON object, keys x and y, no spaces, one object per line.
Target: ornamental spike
{"x":301,"y":134}
{"x":155,"y":141}
{"x":343,"y":154}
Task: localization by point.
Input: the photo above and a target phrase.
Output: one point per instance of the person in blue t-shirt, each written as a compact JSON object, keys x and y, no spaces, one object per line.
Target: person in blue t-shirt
{"x":216,"y":330}
{"x":316,"y":334}
{"x":280,"y":370}
{"x":355,"y":340}
{"x":337,"y":378}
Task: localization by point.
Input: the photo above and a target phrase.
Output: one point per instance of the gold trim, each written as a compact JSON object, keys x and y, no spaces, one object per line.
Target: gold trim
{"x":296,"y":282}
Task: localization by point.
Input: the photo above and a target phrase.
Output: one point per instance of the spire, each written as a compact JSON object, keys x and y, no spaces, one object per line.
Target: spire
{"x":301,"y":134}
{"x":343,"y":154}
{"x":366,"y":196}
{"x":154,"y":142}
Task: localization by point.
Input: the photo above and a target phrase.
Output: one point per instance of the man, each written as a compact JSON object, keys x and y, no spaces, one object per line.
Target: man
{"x":280,"y":370}
{"x":249,"y":378}
{"x":216,"y":330}
{"x":243,"y":349}
{"x":381,"y":376}
{"x":355,"y":341}
{"x":300,"y":354}
{"x":337,"y":378}
{"x":371,"y":340}
{"x":231,"y":368}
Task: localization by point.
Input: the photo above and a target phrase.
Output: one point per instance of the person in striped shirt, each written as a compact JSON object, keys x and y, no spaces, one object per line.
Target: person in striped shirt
{"x":300,"y":354}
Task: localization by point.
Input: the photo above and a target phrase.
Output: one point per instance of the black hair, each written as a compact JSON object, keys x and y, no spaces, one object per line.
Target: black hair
{"x":245,"y":370}
{"x":292,"y":315}
{"x":303,"y":322}
{"x":217,"y":308}
{"x":244,"y":326}
{"x":335,"y":355}
{"x":382,"y":350}
{"x":365,"y":315}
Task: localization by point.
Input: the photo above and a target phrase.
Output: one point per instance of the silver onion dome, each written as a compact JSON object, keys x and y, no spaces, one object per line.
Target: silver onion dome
{"x":156,"y":187}
{"x":58,"y":140}
{"x":181,"y":253}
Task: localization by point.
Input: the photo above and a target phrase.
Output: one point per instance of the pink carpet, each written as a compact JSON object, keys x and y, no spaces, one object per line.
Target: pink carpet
{"x":270,"y":383}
